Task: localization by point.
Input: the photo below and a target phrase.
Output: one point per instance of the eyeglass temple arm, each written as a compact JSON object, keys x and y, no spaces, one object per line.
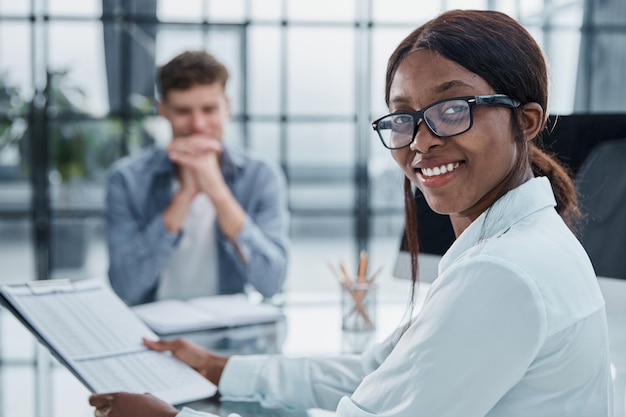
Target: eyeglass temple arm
{"x":497,"y":99}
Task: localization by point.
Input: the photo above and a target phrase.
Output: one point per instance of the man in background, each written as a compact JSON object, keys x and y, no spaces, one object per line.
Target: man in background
{"x":198,"y":217}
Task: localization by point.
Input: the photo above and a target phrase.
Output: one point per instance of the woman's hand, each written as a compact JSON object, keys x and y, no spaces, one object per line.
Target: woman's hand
{"x":124,"y":404}
{"x":204,"y":362}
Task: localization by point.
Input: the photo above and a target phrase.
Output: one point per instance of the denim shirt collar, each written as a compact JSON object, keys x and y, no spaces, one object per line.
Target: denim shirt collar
{"x":232,"y":161}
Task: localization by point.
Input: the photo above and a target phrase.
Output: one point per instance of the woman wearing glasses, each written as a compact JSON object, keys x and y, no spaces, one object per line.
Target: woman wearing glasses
{"x":514,"y":325}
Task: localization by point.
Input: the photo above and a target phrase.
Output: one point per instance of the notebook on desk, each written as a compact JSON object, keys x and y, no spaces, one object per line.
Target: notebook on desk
{"x":203,"y":313}
{"x":97,"y":337}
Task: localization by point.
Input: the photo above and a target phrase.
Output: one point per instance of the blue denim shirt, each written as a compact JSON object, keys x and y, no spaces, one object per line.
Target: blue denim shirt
{"x":139,"y":188}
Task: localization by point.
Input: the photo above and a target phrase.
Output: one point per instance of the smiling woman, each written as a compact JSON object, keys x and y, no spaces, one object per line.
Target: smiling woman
{"x":515,"y":324}
{"x":482,"y":152}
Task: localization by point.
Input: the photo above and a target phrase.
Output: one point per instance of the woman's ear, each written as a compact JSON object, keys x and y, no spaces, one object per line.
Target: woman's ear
{"x":532,"y":120}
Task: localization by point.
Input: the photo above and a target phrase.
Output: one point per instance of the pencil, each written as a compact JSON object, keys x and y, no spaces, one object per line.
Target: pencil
{"x":346,"y":274}
{"x":335,"y":273}
{"x":362,"y":270}
{"x":371,"y":279}
{"x":357,"y":295}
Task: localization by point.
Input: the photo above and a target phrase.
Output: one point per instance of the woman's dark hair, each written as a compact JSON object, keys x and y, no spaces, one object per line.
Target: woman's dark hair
{"x":498,"y":49}
{"x":188,"y":69}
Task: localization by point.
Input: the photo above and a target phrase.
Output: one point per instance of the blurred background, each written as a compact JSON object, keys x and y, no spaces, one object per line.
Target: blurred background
{"x":307,"y":78}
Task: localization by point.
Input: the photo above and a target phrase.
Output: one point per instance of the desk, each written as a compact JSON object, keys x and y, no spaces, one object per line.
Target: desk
{"x":311,"y":328}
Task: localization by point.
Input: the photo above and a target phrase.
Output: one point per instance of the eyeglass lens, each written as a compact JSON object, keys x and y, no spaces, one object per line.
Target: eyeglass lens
{"x":447,"y":118}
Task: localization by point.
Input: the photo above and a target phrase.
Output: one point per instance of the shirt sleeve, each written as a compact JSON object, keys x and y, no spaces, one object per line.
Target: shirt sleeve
{"x":261,"y":245}
{"x":475,"y":337}
{"x":300,"y":383}
{"x":137,"y":253}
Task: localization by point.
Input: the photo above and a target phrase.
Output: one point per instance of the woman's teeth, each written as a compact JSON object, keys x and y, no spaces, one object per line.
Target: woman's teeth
{"x":433,"y":172}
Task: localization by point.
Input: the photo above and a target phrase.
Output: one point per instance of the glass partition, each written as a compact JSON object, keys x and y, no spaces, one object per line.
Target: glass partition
{"x":77,"y":93}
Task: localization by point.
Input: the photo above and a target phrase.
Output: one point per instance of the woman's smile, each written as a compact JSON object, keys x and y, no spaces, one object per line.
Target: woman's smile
{"x":439,"y":170}
{"x":433,"y":174}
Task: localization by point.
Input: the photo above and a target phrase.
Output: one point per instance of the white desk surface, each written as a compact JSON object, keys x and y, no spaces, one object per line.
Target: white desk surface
{"x":312,"y":328}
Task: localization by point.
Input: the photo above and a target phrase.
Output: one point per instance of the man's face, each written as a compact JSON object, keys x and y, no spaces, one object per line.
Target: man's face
{"x":202,"y":109}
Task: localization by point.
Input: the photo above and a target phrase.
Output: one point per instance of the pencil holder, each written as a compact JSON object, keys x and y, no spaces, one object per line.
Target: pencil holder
{"x":358,"y":306}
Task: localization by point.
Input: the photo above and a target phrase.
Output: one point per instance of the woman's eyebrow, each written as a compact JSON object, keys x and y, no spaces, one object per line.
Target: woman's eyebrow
{"x":399,"y":99}
{"x":442,"y":88}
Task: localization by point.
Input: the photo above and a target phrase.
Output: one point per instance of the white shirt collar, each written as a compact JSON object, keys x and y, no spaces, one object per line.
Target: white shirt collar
{"x":532,"y":196}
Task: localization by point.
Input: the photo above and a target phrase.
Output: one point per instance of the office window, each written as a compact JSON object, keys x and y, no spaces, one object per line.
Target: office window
{"x":466,"y":4}
{"x":321,"y":144}
{"x":15,"y":59}
{"x":266,"y":10}
{"x":264,"y":139}
{"x":86,"y":8}
{"x":320,"y":159}
{"x":176,"y":11}
{"x":227,"y":45}
{"x":531,"y":8}
{"x":197,"y":11}
{"x":561,"y":61}
{"x":264,"y":70}
{"x":404,"y":11}
{"x":510,"y":7}
{"x":16,"y":250}
{"x":14,"y":8}
{"x":300,"y":91}
{"x":232,"y":11}
{"x":342,"y":10}
{"x":14,"y":379}
{"x":77,"y":67}
{"x":172,"y":40}
{"x":384,"y":41}
{"x":320,"y":73}
{"x":606,"y":88}
{"x":386,"y":180}
{"x":235,"y":134}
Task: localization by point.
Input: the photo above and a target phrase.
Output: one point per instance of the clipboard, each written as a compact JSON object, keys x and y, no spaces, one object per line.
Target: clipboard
{"x":97,"y":337}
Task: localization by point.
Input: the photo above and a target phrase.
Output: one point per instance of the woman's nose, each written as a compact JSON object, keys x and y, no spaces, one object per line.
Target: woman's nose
{"x":424,"y":139}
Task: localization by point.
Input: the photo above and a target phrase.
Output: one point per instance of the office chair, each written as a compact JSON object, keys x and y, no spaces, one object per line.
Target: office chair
{"x":601,"y":187}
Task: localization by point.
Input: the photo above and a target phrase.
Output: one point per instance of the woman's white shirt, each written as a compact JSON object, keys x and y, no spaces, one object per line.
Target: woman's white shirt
{"x":514,"y":325}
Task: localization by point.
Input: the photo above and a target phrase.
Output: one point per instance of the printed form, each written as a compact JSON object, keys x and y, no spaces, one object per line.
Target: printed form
{"x":98,"y":338}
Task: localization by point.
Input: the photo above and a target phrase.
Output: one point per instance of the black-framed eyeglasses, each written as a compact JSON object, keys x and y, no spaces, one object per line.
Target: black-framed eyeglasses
{"x":444,"y":118}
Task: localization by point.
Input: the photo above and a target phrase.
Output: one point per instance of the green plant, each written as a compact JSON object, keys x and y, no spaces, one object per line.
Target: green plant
{"x":68,"y":139}
{"x":12,"y":123}
{"x":81,"y":146}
